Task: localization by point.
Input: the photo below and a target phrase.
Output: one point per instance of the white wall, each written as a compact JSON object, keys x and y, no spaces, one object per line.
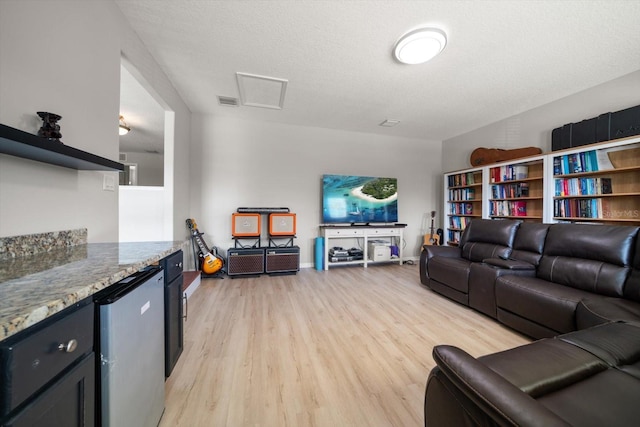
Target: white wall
{"x":64,"y":57}
{"x":533,"y":128}
{"x":45,"y":66}
{"x":237,"y":163}
{"x":142,"y":214}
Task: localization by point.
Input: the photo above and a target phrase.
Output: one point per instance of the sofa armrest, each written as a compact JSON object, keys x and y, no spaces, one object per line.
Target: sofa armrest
{"x":509,"y":264}
{"x":429,"y":252}
{"x":493,"y":394}
{"x":445,"y":251}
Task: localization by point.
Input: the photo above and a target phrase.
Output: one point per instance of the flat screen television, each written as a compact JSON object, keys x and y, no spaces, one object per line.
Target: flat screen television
{"x":359,"y":199}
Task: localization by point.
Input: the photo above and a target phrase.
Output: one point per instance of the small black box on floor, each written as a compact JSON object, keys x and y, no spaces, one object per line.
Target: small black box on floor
{"x":282,"y":260}
{"x":245,"y":261}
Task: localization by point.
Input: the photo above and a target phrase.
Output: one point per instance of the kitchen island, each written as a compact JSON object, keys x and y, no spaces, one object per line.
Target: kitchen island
{"x":35,"y":287}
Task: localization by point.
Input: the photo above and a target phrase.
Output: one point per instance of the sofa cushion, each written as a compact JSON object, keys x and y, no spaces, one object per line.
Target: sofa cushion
{"x":429,"y":252}
{"x":470,"y":382}
{"x":560,"y":364}
{"x":589,"y":275}
{"x":453,"y":272}
{"x":586,"y":378}
{"x":487,"y":238}
{"x":593,"y":311}
{"x":632,"y":285}
{"x":607,"y":399}
{"x":478,"y":251}
{"x":616,"y":343}
{"x":548,"y":304}
{"x":611,"y":244}
{"x":529,"y":242}
{"x":594,"y":258}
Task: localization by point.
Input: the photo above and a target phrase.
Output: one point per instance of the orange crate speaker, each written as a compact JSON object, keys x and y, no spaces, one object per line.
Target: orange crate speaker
{"x":245,"y":225}
{"x":282,"y":224}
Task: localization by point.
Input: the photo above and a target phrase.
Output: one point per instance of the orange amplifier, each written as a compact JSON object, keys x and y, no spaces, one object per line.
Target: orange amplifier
{"x":245,"y":225}
{"x":282,"y":224}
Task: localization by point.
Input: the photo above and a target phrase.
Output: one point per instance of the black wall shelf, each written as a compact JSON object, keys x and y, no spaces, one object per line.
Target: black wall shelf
{"x":28,"y":146}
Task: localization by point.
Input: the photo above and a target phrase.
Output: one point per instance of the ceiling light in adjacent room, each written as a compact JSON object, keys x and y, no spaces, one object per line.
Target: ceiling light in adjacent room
{"x":420,"y":45}
{"x":123,"y":128}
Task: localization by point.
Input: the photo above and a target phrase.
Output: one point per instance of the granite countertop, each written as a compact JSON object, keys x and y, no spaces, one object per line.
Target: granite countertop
{"x":37,"y":286}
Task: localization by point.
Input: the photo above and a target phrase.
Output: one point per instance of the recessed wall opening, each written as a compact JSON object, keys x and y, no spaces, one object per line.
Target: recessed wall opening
{"x":146,"y":186}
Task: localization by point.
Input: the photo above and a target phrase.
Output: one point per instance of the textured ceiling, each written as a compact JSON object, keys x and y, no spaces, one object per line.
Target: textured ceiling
{"x":503,"y":57}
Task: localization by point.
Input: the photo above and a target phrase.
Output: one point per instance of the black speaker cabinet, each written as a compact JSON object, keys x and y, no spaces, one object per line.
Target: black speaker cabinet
{"x":282,"y":260}
{"x":245,"y":261}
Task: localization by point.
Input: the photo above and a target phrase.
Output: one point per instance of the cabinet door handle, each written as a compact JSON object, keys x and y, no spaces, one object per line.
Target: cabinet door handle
{"x":68,"y":347}
{"x":186,"y":307}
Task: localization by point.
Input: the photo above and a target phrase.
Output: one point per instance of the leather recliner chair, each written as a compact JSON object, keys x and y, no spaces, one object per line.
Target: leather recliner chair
{"x":588,"y":378}
{"x":446,"y":268}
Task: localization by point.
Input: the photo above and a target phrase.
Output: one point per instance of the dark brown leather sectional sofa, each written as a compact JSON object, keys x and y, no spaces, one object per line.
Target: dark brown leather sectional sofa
{"x":576,"y":288}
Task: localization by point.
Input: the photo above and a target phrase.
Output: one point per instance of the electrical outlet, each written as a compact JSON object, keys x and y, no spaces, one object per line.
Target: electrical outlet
{"x":109,"y":183}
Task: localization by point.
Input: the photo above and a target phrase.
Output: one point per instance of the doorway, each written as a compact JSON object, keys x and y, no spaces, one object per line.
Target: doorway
{"x":145,"y":191}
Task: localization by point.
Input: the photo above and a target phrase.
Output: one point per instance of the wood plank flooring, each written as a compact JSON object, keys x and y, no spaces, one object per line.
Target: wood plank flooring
{"x":345,"y":347}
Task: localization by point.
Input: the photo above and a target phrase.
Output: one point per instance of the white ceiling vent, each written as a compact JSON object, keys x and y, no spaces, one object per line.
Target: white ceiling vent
{"x":389,"y":123}
{"x":122,"y":157}
{"x":228,"y":101}
{"x":261,"y":91}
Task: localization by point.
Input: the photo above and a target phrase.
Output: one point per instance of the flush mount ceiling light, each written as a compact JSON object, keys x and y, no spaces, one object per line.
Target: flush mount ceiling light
{"x":420,"y":45}
{"x":123,"y":128}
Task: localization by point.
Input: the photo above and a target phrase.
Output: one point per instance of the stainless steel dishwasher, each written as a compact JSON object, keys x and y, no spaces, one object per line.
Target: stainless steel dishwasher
{"x":131,"y":351}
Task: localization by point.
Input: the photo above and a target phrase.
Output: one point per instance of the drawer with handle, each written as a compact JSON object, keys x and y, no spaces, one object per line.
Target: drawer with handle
{"x":34,"y":357}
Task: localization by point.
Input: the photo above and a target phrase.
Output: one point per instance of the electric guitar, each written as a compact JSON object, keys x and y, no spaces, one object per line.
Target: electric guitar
{"x":432,"y":239}
{"x":211,"y":263}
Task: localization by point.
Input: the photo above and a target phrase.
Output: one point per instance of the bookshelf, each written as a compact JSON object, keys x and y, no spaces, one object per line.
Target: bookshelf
{"x":600,"y":184}
{"x":517,"y":190}
{"x":596,"y":183}
{"x":463,"y":201}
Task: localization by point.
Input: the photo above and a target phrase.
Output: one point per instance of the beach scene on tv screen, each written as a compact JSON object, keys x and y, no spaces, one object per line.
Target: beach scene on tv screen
{"x":359,"y":199}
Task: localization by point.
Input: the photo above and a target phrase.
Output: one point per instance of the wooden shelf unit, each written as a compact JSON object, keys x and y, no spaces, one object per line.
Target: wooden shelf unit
{"x":584,"y":200}
{"x":598,"y":184}
{"x":463,"y":201}
{"x":517,"y":190}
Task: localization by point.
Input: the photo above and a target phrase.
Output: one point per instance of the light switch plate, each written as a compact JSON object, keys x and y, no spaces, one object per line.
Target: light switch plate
{"x":109,"y":183}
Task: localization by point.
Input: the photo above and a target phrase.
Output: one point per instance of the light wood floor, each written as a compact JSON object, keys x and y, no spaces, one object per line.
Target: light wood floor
{"x":345,"y":347}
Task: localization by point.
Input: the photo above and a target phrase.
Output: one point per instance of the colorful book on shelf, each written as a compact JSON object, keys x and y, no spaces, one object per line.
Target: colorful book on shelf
{"x":520,"y":208}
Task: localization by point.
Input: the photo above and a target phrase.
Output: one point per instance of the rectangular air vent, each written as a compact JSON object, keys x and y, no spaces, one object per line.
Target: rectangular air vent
{"x":261,"y":91}
{"x":228,"y":101}
{"x":123,"y":157}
